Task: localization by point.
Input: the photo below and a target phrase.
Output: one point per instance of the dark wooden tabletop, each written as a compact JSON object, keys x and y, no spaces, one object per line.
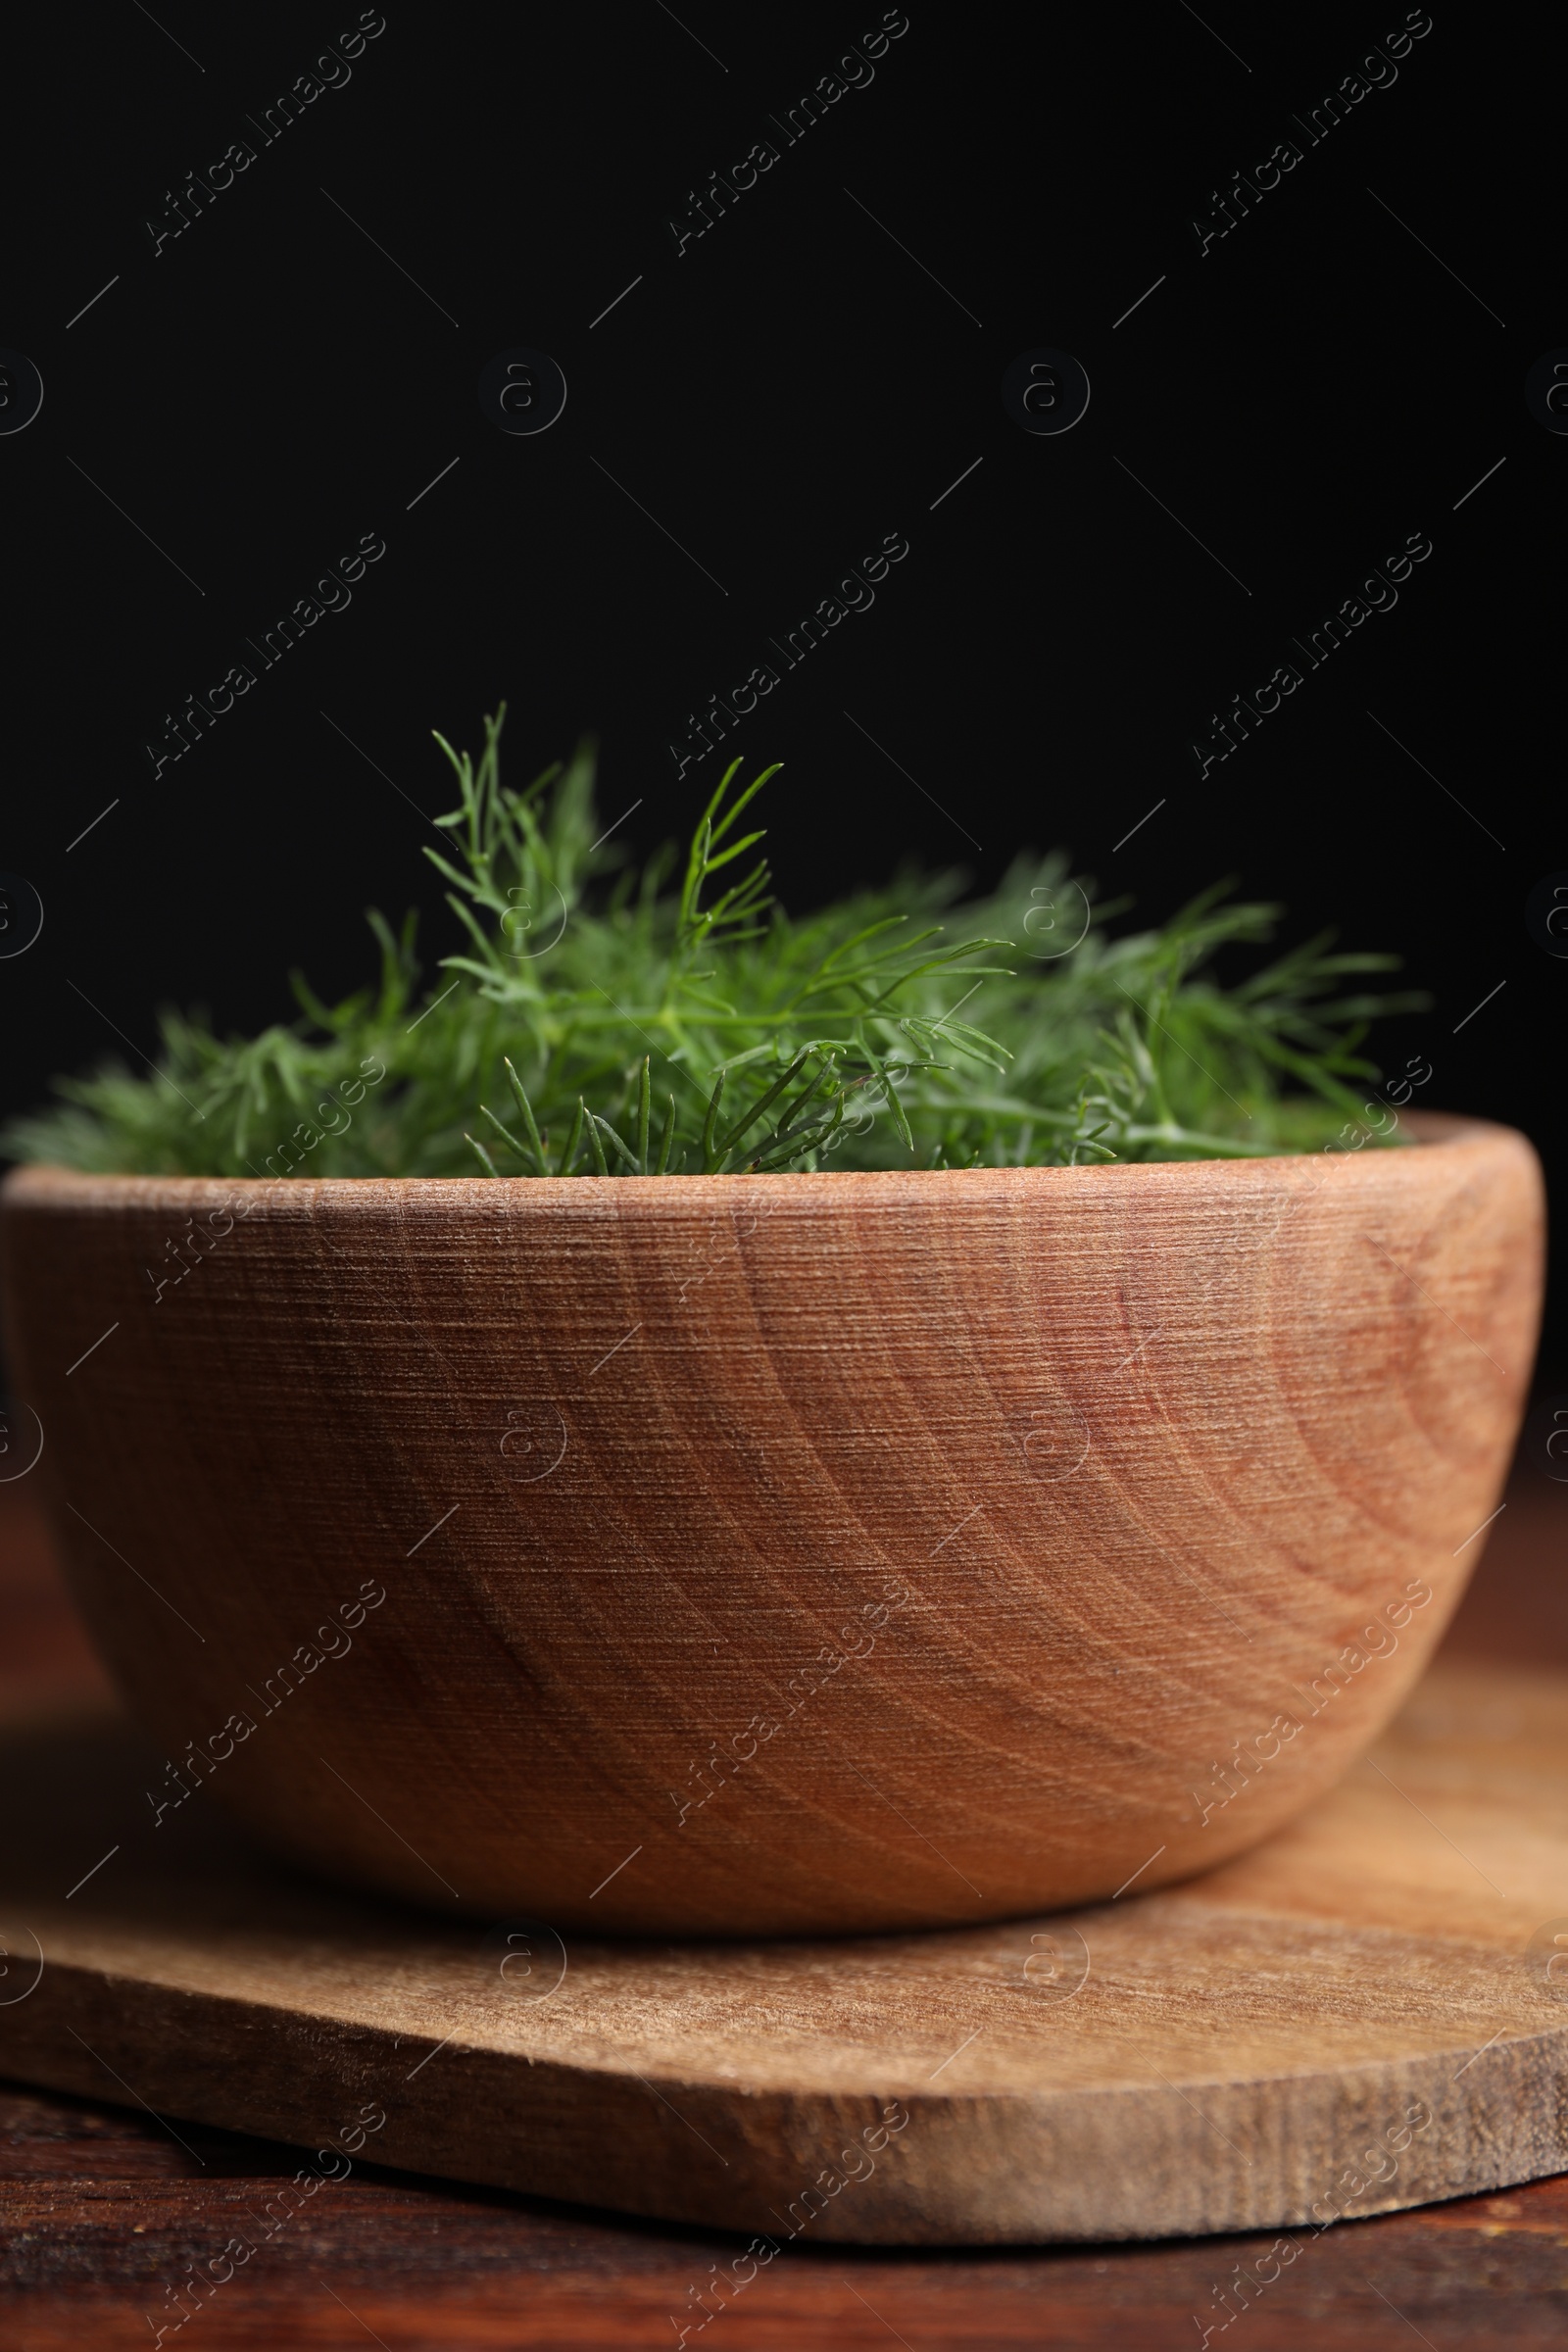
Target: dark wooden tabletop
{"x":102,"y":2212}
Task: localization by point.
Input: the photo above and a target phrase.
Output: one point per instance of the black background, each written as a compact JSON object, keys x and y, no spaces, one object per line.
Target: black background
{"x":796,"y":384}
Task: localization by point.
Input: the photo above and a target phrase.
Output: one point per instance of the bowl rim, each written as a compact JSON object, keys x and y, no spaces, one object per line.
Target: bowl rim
{"x":40,"y":1184}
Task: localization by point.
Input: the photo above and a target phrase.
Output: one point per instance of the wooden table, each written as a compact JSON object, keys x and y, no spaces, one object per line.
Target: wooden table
{"x":102,"y":2208}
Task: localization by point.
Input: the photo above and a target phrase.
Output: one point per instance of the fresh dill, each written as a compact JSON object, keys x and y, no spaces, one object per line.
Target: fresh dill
{"x":604,"y":1019}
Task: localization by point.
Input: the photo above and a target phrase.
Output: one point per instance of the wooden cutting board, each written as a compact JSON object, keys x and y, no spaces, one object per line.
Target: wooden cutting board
{"x":1358,"y":2016}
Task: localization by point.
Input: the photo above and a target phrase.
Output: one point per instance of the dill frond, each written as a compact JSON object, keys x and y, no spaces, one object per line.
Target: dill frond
{"x":598,"y":1022}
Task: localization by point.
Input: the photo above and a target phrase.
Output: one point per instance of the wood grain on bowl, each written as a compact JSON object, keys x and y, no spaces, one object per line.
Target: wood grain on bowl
{"x":745,"y":1556}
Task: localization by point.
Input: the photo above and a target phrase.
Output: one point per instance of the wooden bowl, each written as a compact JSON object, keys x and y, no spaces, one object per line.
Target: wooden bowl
{"x":779,"y":1553}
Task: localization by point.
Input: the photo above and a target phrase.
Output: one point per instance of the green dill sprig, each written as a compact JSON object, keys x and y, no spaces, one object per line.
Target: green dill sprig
{"x":599,"y":1020}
